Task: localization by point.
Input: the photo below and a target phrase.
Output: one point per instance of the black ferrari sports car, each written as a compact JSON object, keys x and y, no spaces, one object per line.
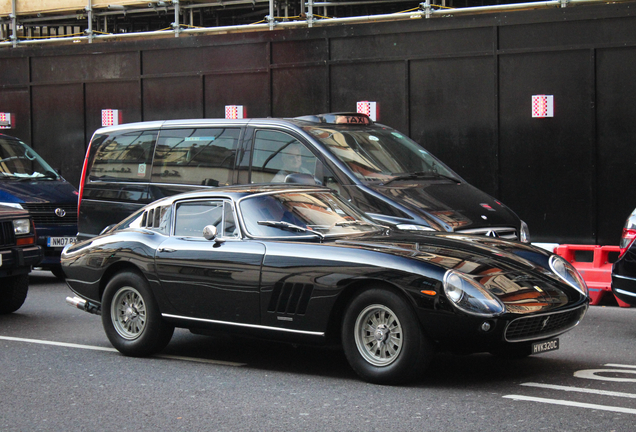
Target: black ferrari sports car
{"x":300,"y":264}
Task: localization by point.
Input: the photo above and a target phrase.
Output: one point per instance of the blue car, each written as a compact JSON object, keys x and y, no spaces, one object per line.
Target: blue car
{"x":28,"y":182}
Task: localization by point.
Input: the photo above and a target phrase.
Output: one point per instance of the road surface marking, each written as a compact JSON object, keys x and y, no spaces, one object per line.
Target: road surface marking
{"x":581,"y":390}
{"x":620,"y":365}
{"x":97,"y":348}
{"x":572,"y":404}
{"x":592,"y":374}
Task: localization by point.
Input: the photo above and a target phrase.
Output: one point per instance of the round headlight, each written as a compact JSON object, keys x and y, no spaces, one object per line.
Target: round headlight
{"x":471,"y":296}
{"x":568,"y":274}
{"x":452,"y":287}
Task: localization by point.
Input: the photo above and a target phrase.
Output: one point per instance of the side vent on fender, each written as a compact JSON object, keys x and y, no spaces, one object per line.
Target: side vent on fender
{"x":290,"y":298}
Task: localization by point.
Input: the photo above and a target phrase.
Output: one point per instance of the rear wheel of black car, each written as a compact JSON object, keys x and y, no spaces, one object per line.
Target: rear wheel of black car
{"x":13,"y":293}
{"x":131,"y":317}
{"x":382,"y":338}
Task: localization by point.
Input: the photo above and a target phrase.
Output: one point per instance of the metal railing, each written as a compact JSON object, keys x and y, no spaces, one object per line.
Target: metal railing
{"x":425,"y":10}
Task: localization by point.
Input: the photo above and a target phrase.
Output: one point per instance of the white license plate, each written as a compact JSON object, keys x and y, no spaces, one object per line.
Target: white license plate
{"x":60,"y":241}
{"x":544,"y":346}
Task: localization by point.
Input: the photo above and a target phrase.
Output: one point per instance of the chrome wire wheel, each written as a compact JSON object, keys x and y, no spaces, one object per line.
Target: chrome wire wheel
{"x":128,"y":313}
{"x":378,"y":335}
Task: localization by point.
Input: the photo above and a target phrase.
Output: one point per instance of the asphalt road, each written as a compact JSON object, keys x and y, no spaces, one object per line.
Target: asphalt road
{"x":59,"y":372}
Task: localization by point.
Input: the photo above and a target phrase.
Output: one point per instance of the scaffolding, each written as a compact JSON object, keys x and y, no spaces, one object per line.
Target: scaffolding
{"x":26,"y":22}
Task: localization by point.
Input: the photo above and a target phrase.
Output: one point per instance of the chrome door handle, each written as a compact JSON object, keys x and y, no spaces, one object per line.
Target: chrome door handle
{"x":167,"y":250}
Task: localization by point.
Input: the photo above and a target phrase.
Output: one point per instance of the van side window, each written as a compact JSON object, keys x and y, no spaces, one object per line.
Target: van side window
{"x":125,"y":156}
{"x":277,"y":155}
{"x":203,"y":156}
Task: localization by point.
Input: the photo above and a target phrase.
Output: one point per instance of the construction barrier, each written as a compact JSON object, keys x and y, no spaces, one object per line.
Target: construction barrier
{"x":596,"y":273}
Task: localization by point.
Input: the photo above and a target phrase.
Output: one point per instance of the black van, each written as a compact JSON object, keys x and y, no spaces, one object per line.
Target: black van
{"x":28,"y":182}
{"x":380,"y":170}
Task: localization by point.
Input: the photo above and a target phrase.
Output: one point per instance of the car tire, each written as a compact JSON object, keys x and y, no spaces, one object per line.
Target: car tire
{"x":131,"y":317}
{"x":13,"y":293}
{"x":383,"y":340}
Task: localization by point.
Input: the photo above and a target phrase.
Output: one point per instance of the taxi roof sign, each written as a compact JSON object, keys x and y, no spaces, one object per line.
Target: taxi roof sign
{"x":339,"y":118}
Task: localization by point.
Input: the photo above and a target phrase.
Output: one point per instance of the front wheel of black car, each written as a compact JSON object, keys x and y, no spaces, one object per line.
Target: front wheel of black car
{"x":131,"y":317}
{"x":382,"y":339}
{"x":13,"y":293}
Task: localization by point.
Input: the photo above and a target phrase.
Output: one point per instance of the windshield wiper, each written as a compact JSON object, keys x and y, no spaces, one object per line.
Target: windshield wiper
{"x":420,"y":175}
{"x":47,"y":175}
{"x":290,"y":227}
{"x":356,"y":222}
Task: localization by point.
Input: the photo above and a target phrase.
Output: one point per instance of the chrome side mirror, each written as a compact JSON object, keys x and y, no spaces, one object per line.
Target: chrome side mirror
{"x":210,"y":233}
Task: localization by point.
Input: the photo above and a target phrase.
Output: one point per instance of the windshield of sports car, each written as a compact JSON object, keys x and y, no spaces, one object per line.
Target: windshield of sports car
{"x":380,"y":154}
{"x":306,"y":214}
{"x":20,"y":162}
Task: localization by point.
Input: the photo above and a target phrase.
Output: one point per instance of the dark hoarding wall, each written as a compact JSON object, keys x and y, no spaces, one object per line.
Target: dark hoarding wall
{"x":460,"y":86}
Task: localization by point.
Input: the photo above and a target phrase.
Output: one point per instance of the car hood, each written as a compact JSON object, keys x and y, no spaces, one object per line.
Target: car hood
{"x":37,"y":191}
{"x":454,"y":206}
{"x":7,"y":212}
{"x":518,"y":274}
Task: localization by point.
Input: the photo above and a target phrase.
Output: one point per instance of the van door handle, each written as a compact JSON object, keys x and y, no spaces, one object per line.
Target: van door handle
{"x":167,"y":250}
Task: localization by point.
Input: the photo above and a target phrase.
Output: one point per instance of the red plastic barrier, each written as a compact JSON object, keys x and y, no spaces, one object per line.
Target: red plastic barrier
{"x":597,"y":274}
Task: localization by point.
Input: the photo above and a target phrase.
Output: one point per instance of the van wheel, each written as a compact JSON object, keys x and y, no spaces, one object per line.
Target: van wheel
{"x":382,"y":338}
{"x":13,"y":293}
{"x":131,"y":317}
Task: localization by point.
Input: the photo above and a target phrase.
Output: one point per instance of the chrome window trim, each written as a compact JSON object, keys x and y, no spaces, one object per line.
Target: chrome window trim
{"x":545,"y":335}
{"x":617,"y":276}
{"x":254,"y":326}
{"x":627,"y":293}
{"x":223,"y":200}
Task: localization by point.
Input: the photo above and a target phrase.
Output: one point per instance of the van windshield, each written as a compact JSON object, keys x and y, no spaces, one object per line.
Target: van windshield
{"x":20,"y":162}
{"x":380,"y":154}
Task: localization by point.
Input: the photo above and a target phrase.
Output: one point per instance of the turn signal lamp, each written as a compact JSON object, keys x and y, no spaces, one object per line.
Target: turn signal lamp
{"x":628,"y":237}
{"x":25,"y":241}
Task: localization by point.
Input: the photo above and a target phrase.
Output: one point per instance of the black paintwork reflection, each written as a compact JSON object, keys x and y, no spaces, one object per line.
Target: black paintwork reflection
{"x":210,"y":280}
{"x":304,"y":285}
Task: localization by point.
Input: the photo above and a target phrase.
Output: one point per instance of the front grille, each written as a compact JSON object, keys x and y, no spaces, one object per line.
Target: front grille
{"x":506,"y":233}
{"x":44,"y":214}
{"x":7,"y":234}
{"x":290,"y":298}
{"x":542,"y":326}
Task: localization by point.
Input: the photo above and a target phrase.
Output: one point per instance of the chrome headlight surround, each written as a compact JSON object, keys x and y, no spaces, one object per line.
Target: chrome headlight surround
{"x":22,"y":226}
{"x":568,"y":274}
{"x":470,"y":296}
{"x":524,"y":233}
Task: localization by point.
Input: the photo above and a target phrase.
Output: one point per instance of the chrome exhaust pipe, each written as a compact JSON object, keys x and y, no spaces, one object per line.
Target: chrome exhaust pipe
{"x":84,"y":305}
